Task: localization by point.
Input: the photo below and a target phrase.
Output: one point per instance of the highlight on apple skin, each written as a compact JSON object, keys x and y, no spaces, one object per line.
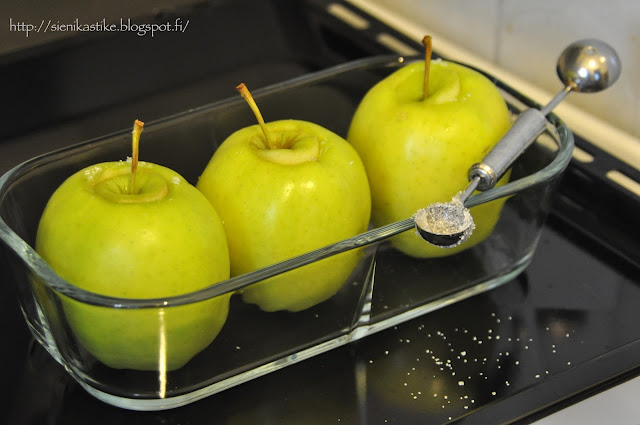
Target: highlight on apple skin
{"x":417,"y":150}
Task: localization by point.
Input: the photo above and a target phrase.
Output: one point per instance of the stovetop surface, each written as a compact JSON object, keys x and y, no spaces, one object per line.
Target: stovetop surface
{"x":565,"y":328}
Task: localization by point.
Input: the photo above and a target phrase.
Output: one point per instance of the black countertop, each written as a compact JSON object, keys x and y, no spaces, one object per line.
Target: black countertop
{"x":520,"y":351}
{"x":565,"y":328}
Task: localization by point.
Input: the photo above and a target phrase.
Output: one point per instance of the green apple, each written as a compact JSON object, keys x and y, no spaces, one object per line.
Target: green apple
{"x":418,"y":149}
{"x":141,"y":234}
{"x":283,"y":189}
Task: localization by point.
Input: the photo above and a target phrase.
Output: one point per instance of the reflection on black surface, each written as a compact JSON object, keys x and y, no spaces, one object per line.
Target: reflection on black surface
{"x":41,"y":390}
{"x":434,"y":369}
{"x":319,"y":392}
{"x":403,"y":282}
{"x":483,"y":350}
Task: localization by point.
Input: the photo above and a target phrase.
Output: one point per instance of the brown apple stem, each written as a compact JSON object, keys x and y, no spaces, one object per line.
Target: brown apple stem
{"x":246,"y":94}
{"x":427,"y":62}
{"x":135,"y":144}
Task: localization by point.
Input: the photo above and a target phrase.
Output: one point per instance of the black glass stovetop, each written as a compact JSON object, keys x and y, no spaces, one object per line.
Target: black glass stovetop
{"x":564,"y":329}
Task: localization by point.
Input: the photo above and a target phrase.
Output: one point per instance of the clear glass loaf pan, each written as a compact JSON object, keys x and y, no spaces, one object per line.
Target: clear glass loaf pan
{"x":385,"y":289}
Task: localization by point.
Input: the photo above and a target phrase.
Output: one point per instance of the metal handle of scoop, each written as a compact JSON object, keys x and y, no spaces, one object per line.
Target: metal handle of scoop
{"x":523,"y":132}
{"x":584,"y":66}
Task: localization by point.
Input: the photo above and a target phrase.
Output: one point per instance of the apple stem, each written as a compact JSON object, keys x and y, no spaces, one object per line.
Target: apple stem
{"x":135,"y":144}
{"x":246,"y":94}
{"x":427,"y":62}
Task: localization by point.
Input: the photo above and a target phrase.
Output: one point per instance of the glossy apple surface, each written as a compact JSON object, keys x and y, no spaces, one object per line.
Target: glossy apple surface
{"x":165,"y":239}
{"x":308,"y":191}
{"x":418,"y":151}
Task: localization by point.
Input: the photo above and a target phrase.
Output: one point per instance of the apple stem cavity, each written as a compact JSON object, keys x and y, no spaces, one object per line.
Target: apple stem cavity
{"x":246,"y":94}
{"x":135,"y":147}
{"x":427,"y":62}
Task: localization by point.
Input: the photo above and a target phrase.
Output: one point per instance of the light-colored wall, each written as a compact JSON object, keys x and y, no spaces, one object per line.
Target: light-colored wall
{"x":527,"y":36}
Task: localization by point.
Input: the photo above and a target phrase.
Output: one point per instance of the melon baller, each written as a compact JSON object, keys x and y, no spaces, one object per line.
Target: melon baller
{"x":585,"y":66}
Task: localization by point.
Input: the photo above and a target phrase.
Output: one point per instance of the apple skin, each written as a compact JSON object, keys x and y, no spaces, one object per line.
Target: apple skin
{"x":163,"y":241}
{"x":279,"y":203}
{"x":417,"y":151}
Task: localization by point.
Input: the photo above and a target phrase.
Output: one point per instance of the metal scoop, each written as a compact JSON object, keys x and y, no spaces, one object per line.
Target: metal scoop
{"x":585,"y":66}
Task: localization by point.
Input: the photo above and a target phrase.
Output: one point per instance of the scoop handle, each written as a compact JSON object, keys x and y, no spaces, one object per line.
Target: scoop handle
{"x":522,"y":133}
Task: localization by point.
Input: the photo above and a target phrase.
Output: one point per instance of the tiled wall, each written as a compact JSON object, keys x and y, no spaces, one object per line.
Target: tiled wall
{"x":526,"y":37}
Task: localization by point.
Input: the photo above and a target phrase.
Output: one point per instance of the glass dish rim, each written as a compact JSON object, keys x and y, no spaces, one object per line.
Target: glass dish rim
{"x":42,"y":270}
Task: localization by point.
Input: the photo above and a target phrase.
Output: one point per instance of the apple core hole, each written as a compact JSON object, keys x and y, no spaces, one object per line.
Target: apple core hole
{"x":114,"y":186}
{"x":294,"y":149}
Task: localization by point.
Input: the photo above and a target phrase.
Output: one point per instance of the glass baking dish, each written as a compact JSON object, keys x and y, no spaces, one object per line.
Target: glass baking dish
{"x":386,"y":288}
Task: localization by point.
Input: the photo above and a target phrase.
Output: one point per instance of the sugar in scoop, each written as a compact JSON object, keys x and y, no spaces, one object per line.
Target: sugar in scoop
{"x":445,"y":224}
